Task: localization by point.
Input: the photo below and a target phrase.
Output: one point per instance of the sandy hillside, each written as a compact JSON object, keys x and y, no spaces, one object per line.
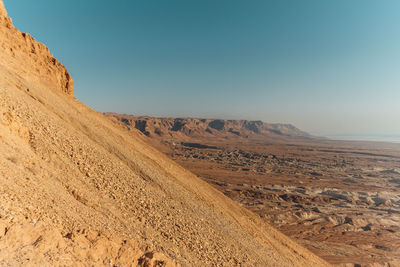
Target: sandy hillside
{"x":76,"y":190}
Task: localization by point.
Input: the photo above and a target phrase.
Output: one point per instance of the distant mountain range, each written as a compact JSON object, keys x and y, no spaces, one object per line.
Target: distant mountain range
{"x":183,"y":128}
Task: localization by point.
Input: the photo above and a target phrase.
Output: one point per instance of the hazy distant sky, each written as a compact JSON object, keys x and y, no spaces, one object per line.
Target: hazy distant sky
{"x":328,"y":67}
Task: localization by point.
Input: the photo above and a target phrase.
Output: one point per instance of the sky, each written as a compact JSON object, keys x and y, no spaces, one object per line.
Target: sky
{"x":328,"y":67}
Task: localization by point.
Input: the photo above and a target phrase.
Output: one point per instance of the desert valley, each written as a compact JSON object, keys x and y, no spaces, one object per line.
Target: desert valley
{"x":339,"y":199}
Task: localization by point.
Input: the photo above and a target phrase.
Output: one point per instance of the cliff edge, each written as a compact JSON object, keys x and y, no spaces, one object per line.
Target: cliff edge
{"x":30,"y":59}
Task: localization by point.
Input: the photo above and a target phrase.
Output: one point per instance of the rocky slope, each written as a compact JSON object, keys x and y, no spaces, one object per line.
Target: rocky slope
{"x":192,"y":128}
{"x":77,"y":190}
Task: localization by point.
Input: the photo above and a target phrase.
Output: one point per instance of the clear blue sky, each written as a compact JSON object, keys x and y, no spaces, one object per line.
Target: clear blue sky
{"x":328,"y":67}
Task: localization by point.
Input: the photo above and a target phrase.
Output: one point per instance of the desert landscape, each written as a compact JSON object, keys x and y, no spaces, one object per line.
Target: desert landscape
{"x":80,"y":187}
{"x":78,"y":190}
{"x":339,"y":199}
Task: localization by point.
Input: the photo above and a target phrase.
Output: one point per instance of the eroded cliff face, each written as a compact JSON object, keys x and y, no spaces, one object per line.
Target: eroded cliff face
{"x":191,"y":129}
{"x":30,"y":59}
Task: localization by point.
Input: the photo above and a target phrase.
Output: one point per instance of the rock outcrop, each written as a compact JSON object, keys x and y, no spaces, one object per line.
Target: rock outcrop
{"x":30,"y":59}
{"x":3,"y":12}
